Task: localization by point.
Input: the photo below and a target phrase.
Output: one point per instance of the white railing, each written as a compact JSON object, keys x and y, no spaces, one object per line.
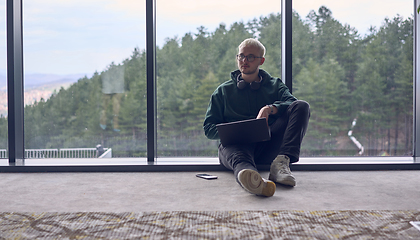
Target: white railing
{"x":41,"y":153}
{"x":63,"y":153}
{"x":3,"y":153}
{"x":78,"y":153}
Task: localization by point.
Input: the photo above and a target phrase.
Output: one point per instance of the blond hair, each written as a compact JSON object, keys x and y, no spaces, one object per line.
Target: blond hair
{"x":254,"y":43}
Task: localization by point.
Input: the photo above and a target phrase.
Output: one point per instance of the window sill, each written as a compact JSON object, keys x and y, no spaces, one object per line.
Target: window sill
{"x":202,"y":164}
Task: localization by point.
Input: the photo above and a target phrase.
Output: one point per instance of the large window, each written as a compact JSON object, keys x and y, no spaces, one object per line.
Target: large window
{"x":85,"y":78}
{"x":354,"y":65}
{"x":197,"y":44}
{"x":85,"y":72}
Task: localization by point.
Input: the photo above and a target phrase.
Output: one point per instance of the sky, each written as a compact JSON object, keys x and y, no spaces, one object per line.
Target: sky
{"x":84,"y":36}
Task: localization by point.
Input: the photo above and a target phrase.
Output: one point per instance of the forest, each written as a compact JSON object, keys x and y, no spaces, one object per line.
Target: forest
{"x":344,"y":76}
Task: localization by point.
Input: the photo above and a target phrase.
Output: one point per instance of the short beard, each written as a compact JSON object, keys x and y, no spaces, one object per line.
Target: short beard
{"x":250,"y":73}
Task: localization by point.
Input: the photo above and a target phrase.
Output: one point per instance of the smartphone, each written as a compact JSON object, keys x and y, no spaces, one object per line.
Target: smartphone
{"x":206,"y":176}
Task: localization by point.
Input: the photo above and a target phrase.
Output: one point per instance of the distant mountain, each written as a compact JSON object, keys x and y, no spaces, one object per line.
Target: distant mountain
{"x":37,"y":86}
{"x":38,"y":80}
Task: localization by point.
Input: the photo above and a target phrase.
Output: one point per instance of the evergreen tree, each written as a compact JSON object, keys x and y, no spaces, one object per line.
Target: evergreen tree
{"x":323,"y":86}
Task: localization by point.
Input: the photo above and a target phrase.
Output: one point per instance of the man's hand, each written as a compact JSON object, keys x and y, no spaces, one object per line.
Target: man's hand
{"x":266,"y":111}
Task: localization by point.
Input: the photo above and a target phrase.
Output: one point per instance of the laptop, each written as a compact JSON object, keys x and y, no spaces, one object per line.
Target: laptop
{"x":246,"y":131}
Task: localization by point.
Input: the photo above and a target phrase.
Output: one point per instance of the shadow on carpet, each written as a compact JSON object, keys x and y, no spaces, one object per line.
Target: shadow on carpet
{"x":211,"y":225}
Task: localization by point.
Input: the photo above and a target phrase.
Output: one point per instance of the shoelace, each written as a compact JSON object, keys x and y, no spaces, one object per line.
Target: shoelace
{"x":284,"y":168}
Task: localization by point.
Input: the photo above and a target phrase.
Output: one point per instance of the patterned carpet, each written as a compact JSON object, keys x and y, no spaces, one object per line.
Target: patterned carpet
{"x":212,"y":225}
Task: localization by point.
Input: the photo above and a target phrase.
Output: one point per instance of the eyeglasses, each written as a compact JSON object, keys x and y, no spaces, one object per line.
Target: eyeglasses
{"x":249,"y":58}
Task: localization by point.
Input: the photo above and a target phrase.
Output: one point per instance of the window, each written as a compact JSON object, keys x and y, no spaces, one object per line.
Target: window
{"x":357,"y":78}
{"x":196,"y":47}
{"x":85,"y":78}
{"x":355,"y":67}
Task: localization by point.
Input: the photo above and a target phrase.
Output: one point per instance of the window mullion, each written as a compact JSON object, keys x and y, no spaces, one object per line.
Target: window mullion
{"x":15,"y":99}
{"x":151,"y":79}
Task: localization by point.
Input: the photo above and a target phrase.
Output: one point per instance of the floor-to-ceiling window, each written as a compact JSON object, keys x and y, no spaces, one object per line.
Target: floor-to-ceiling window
{"x":353,"y":62}
{"x":85,"y":74}
{"x":196,"y":48}
{"x":85,"y":78}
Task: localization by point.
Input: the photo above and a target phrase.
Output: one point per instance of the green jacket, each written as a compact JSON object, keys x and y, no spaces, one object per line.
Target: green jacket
{"x":228,"y":103}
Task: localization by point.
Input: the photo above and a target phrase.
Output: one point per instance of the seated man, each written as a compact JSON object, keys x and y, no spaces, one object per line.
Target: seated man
{"x":253,"y":93}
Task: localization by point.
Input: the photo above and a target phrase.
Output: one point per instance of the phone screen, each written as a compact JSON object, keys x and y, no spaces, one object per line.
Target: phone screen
{"x":206,"y":176}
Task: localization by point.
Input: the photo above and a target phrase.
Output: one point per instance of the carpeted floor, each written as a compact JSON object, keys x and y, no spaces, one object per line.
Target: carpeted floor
{"x":211,"y":225}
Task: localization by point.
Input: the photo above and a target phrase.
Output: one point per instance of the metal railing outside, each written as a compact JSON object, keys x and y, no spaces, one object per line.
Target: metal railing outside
{"x":78,"y":153}
{"x":41,"y":153}
{"x":61,"y":153}
{"x":3,"y":153}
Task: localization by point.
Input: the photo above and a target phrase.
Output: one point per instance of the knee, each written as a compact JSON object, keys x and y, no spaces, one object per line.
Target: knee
{"x":302,"y":107}
{"x":240,"y":156}
{"x":236,"y":152}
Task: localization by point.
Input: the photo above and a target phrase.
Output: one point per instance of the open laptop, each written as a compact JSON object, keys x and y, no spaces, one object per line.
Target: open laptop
{"x":246,"y":131}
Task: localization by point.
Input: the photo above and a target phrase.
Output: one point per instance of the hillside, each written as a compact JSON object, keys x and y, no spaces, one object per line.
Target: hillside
{"x":37,"y":86}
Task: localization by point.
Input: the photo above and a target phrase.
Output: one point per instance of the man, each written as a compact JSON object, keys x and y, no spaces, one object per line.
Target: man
{"x":253,"y":93}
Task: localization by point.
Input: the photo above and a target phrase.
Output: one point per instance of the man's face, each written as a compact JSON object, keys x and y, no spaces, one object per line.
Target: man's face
{"x":245,"y":66}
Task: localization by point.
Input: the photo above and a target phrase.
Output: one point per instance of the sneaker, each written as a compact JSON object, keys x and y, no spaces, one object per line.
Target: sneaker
{"x":252,"y":181}
{"x":280,"y":171}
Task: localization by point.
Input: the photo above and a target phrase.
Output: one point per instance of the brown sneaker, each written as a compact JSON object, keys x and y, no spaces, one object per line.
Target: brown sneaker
{"x":280,"y":171}
{"x":252,"y":181}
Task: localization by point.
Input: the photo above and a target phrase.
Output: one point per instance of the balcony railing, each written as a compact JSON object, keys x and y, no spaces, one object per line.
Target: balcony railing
{"x":64,"y":153}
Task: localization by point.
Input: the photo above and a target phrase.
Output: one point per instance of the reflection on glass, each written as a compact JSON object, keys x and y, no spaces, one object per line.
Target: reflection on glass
{"x":3,"y":84}
{"x":85,"y":77}
{"x":354,"y":66}
{"x":197,"y":46}
{"x":112,"y":90}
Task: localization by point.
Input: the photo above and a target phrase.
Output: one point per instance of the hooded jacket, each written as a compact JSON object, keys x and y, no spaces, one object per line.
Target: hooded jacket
{"x":228,"y":103}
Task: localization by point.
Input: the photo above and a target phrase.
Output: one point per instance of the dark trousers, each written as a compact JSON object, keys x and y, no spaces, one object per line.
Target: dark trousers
{"x":287,"y":133}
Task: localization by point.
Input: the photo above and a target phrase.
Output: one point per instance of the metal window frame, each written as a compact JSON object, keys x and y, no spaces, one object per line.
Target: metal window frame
{"x":16,"y":103}
{"x":15,"y":94}
{"x":151,"y":80}
{"x":286,"y":42}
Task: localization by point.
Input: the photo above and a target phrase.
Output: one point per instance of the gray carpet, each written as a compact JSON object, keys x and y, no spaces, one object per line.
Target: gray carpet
{"x":211,"y":225}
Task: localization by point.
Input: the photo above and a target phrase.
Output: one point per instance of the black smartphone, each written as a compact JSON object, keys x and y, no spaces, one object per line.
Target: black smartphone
{"x":206,"y":176}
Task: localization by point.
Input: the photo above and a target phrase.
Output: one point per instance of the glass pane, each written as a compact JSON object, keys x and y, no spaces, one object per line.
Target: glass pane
{"x":3,"y":85}
{"x":196,"y":47}
{"x":84,"y":78}
{"x":354,"y":65}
